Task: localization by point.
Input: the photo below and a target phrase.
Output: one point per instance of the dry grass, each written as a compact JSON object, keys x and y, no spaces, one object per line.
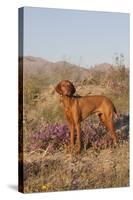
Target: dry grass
{"x":90,"y":169}
{"x":45,"y":172}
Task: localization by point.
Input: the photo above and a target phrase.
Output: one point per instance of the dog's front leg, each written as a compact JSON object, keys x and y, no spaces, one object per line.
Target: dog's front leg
{"x":71,"y":127}
{"x":78,"y":142}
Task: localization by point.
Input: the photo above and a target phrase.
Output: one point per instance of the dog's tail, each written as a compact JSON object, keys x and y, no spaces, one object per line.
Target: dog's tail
{"x":116,"y":113}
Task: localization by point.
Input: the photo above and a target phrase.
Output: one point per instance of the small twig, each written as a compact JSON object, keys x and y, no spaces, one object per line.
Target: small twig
{"x":44,"y":154}
{"x":41,"y":150}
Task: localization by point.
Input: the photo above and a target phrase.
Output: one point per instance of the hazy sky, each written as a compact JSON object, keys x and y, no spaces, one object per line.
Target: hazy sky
{"x":80,"y":37}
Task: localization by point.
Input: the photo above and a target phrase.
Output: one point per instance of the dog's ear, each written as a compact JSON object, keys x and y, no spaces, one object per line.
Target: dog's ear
{"x":72,"y":89}
{"x":58,"y":89}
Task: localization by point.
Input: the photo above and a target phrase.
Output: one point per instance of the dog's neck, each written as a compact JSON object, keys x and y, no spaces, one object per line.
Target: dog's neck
{"x":66,"y":100}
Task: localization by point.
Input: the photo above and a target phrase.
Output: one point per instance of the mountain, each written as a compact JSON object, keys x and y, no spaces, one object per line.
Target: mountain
{"x":103,"y":67}
{"x":53,"y":71}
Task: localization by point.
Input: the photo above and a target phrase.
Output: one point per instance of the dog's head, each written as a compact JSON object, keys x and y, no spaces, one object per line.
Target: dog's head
{"x":66,"y":88}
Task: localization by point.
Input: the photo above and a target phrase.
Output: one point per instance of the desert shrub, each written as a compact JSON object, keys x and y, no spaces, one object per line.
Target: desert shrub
{"x":95,"y":136}
{"x":50,"y":137}
{"x":115,"y":78}
{"x":32,"y":90}
{"x":54,"y":136}
{"x":52,"y":113}
{"x":97,"y":77}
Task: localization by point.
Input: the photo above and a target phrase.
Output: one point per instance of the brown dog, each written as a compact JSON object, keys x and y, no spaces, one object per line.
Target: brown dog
{"x":78,"y":108}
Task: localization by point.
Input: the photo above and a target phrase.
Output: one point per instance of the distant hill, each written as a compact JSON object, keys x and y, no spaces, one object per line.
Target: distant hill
{"x":103,"y":67}
{"x":52,"y":72}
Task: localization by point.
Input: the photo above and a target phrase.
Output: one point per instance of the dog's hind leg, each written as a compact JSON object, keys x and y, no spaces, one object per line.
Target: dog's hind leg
{"x":110,"y":127}
{"x":108,"y":122}
{"x":78,"y":142}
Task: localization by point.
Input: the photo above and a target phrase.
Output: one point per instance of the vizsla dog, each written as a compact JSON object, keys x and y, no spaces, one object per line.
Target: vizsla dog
{"x":78,"y":108}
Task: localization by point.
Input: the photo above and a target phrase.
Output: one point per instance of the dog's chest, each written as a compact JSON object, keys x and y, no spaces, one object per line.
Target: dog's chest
{"x":68,"y":112}
{"x":68,"y":115}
